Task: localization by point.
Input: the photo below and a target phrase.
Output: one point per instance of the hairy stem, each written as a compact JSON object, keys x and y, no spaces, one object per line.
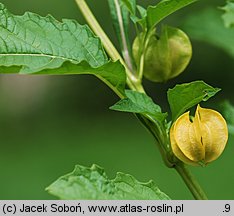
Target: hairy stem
{"x":190,"y":181}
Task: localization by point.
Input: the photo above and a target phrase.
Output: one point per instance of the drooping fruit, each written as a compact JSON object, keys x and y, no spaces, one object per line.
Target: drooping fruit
{"x":201,"y":140}
{"x":165,"y":57}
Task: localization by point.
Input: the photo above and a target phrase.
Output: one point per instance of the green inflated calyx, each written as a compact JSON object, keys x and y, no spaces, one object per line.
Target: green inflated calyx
{"x":166,"y":56}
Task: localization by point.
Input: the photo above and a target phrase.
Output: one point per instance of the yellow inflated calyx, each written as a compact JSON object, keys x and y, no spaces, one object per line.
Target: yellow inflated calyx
{"x":200,"y":140}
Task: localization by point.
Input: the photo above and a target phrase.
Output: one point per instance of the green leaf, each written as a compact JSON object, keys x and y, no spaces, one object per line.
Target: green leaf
{"x":228,"y":16}
{"x":228,"y":112}
{"x":131,"y":5}
{"x":213,"y":32}
{"x":164,"y":8}
{"x":93,"y":184}
{"x":137,"y":102}
{"x":142,"y":11}
{"x":132,"y":8}
{"x":184,"y":96}
{"x":112,"y":73}
{"x":34,"y":44}
{"x":42,"y":42}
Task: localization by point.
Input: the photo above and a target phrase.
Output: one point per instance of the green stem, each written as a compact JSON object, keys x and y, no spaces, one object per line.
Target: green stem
{"x":132,"y":81}
{"x":152,"y":128}
{"x":91,"y":20}
{"x":143,"y":47}
{"x":135,"y":84}
{"x":190,"y":181}
{"x":125,"y":51}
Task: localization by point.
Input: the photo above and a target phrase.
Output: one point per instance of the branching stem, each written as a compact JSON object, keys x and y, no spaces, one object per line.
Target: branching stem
{"x":132,"y":81}
{"x":135,"y":84}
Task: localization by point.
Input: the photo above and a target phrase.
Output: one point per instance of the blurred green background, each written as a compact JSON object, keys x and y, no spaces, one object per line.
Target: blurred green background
{"x":50,"y":123}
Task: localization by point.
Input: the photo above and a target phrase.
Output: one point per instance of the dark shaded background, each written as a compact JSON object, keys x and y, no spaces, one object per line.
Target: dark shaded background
{"x":50,"y":123}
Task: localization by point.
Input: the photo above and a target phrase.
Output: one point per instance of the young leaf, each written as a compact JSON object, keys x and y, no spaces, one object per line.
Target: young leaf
{"x":163,"y":9}
{"x":131,"y":5}
{"x":228,"y":16}
{"x":31,"y":43}
{"x":137,"y":102}
{"x":93,"y":184}
{"x":132,"y":8}
{"x":184,"y":96}
{"x":142,"y":11}
{"x":128,"y":8}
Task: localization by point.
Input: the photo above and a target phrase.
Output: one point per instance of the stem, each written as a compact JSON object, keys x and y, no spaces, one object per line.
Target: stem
{"x":141,"y":66}
{"x":91,"y":20}
{"x":125,"y":50}
{"x":135,"y":84}
{"x":140,"y":69}
{"x":109,"y":47}
{"x":190,"y":181}
{"x":155,"y":133}
{"x":143,"y":47}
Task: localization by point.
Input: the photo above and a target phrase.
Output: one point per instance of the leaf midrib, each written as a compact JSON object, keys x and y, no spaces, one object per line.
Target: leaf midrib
{"x":38,"y":55}
{"x":40,"y":52}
